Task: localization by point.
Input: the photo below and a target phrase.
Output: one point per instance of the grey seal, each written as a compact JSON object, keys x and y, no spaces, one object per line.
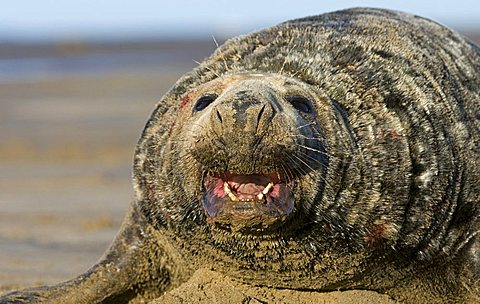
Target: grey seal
{"x":332,"y":152}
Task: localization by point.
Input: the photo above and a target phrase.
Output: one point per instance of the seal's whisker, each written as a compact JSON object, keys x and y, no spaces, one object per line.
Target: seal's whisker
{"x":312,"y":149}
{"x":286,"y":170}
{"x":306,"y":137}
{"x":223,"y":57}
{"x":295,"y":74}
{"x":290,"y":171}
{"x":303,"y":162}
{"x":319,"y":162}
{"x":208,"y":68}
{"x":322,"y":177}
{"x":288,"y":54}
{"x":295,"y":161}
{"x":320,"y":139}
{"x":326,"y":154}
{"x":305,"y":125}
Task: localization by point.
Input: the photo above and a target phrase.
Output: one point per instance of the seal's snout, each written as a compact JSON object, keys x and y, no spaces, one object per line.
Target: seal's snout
{"x":241,"y":112}
{"x":255,"y":124}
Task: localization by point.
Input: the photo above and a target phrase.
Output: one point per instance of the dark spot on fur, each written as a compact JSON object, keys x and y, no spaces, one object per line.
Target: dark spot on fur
{"x":383,"y":53}
{"x":376,"y":235}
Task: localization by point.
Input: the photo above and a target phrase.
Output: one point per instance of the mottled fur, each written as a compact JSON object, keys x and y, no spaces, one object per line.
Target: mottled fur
{"x":387,"y":197}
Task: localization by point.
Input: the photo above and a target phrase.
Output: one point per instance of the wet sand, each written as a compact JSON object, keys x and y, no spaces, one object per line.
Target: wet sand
{"x":65,"y":169}
{"x":67,"y":143}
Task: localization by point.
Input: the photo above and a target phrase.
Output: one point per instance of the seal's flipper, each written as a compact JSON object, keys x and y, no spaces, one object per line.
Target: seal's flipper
{"x":135,"y":266}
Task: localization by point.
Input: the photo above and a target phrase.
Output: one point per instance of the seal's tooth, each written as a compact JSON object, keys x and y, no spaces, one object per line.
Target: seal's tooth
{"x":265,"y":191}
{"x":226,"y":187}
{"x":233,"y":197}
{"x":229,"y":192}
{"x":267,"y":188}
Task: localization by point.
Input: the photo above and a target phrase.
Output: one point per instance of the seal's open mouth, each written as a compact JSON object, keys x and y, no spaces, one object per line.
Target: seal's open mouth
{"x":247,"y":200}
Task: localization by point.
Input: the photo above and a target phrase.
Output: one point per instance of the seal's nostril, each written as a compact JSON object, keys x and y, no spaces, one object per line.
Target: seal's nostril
{"x":260,"y":113}
{"x":219,"y":116}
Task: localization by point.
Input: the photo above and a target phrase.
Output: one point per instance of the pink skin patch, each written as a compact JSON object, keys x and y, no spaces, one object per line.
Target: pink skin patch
{"x":185,"y":101}
{"x":377,"y":234}
{"x":218,"y":188}
{"x":275,"y":191}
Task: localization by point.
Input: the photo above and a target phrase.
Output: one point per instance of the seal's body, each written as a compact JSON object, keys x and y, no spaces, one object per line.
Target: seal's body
{"x":332,"y":152}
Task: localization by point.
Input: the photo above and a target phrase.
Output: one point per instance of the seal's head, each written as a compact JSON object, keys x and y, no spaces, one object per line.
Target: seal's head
{"x":254,"y":139}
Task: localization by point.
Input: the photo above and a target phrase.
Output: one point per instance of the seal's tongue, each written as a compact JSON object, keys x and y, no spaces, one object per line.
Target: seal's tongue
{"x":246,"y":187}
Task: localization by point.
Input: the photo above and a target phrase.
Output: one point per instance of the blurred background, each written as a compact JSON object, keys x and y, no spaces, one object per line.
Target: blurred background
{"x":78,"y":80}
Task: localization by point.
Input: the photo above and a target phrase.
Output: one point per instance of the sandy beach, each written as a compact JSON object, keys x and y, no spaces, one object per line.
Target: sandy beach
{"x":65,"y":170}
{"x":67,"y":140}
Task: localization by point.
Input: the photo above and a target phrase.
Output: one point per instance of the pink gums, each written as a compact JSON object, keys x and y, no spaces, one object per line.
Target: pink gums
{"x":218,"y":188}
{"x":275,"y":192}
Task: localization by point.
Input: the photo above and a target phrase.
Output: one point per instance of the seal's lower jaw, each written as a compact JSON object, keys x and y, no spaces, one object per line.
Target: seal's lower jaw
{"x":247,"y":202}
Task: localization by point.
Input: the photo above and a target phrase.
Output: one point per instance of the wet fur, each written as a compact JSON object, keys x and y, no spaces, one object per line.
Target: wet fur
{"x":395,"y":209}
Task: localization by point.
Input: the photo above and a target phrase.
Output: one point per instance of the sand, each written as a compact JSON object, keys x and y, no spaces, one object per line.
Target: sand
{"x":65,"y":169}
{"x":207,"y":286}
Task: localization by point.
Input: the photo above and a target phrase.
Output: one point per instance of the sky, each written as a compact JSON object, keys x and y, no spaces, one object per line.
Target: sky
{"x":78,"y":19}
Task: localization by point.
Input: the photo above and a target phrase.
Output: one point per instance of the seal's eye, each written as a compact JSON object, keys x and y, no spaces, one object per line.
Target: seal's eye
{"x":203,"y":102}
{"x":300,"y":103}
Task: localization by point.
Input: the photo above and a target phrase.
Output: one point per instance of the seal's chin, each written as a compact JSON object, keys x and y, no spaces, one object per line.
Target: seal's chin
{"x":247,"y":201}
